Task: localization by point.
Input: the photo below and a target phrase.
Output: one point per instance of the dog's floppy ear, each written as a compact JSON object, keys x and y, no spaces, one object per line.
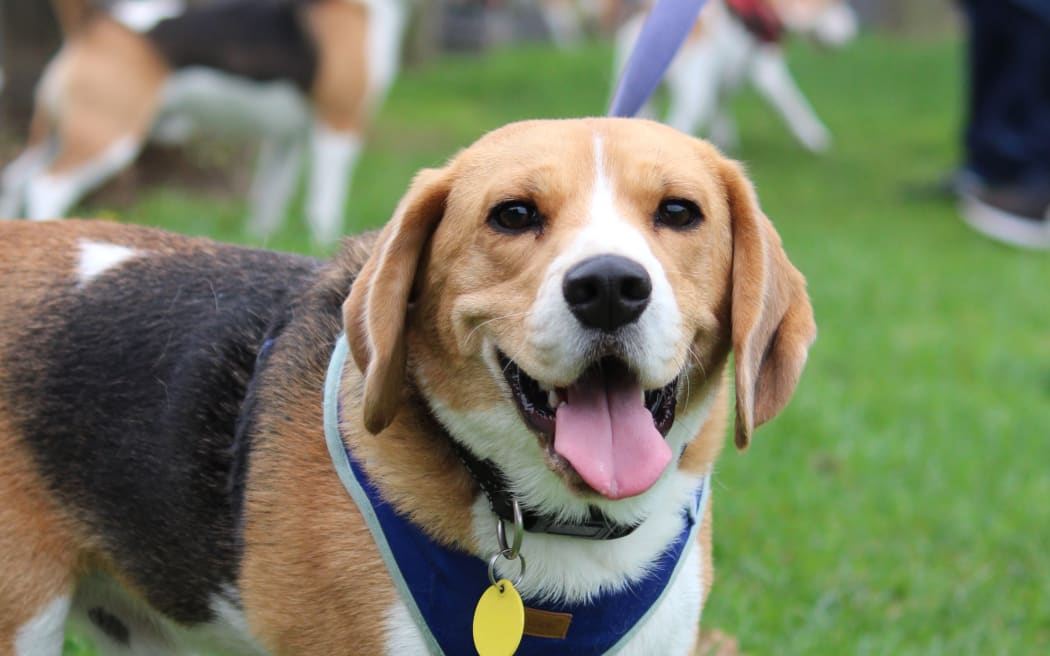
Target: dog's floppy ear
{"x":772,"y":317}
{"x":374,"y":313}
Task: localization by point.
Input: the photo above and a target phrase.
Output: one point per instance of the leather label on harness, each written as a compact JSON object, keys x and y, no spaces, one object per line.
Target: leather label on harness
{"x":547,"y":624}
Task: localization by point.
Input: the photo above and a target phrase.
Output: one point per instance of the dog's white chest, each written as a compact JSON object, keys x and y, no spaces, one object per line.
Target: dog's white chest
{"x":670,"y":629}
{"x":673,"y":625}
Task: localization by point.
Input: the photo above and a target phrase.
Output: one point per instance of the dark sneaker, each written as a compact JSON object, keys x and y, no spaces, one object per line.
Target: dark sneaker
{"x":946,"y":188}
{"x":1012,"y":215}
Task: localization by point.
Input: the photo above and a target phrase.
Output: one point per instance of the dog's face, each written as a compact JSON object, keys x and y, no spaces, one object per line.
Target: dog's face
{"x":567,"y":292}
{"x":831,"y":23}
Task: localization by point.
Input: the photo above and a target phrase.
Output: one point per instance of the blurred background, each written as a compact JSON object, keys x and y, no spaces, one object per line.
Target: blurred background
{"x":901,"y":504}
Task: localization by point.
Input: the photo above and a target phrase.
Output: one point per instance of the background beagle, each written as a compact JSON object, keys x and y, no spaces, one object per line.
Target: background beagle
{"x":299,"y":76}
{"x":557,"y":303}
{"x":738,"y":40}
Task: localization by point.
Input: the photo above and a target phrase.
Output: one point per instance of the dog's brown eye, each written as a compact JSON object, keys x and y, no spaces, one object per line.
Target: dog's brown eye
{"x":678,"y":214}
{"x":515,"y":216}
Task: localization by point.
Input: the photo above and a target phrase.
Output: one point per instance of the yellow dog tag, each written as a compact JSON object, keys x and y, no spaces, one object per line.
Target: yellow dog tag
{"x":499,"y":620}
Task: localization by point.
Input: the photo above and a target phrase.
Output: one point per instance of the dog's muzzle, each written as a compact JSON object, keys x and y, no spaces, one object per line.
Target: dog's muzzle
{"x":604,"y":425}
{"x":607,"y":292}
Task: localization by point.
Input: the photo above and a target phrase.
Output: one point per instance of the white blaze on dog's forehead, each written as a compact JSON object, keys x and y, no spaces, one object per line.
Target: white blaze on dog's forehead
{"x":602,"y":202}
{"x":607,"y":230}
{"x":96,"y":257}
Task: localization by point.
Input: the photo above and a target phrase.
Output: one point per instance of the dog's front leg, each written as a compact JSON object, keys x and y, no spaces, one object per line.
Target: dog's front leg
{"x":276,"y":172}
{"x":16,"y":176}
{"x":771,"y":77}
{"x":52,"y":193}
{"x":333,"y":154}
{"x":723,"y":132}
{"x":694,"y":81}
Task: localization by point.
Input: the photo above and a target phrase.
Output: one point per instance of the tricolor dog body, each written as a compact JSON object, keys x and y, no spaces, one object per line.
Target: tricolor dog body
{"x":299,"y":76}
{"x":559,"y":301}
{"x":740,"y":40}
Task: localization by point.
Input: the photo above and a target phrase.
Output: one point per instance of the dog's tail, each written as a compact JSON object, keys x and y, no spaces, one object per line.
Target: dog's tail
{"x":71,"y":15}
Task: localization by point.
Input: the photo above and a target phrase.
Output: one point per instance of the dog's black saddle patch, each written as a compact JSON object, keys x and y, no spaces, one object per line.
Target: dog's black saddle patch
{"x":129,"y":391}
{"x":260,"y":40}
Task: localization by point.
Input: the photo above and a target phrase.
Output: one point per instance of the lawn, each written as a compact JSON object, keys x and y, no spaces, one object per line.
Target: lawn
{"x":901,"y":505}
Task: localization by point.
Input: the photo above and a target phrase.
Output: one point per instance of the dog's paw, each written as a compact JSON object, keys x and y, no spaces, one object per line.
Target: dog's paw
{"x":816,"y":139}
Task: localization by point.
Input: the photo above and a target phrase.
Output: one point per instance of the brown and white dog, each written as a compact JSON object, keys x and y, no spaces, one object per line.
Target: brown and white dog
{"x":164,"y":478}
{"x":740,"y":40}
{"x":299,"y":75}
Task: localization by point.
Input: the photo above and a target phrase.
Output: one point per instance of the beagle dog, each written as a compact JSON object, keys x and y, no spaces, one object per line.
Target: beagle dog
{"x":299,"y":75}
{"x":740,"y":40}
{"x":205,"y":446}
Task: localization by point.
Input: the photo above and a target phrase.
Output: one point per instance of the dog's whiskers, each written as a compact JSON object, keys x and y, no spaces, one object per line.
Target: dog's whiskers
{"x":695,"y":356}
{"x":512,"y":315}
{"x":511,"y":359}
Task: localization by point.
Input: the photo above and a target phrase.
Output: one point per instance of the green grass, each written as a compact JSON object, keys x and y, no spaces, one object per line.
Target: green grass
{"x":900,"y":504}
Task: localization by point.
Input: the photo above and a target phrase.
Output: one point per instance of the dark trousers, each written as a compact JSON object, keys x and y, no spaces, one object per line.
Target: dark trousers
{"x":1008,"y":125}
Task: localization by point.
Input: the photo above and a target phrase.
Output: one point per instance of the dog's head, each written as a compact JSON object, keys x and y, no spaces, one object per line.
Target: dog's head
{"x":830,"y":23}
{"x":567,"y":293}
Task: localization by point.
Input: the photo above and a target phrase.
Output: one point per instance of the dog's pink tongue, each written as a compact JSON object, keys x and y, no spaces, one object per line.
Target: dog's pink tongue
{"x":605,"y":431}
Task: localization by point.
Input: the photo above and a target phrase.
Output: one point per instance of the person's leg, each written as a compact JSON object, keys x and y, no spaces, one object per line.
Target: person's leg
{"x":1007,"y":135}
{"x":1008,"y":131}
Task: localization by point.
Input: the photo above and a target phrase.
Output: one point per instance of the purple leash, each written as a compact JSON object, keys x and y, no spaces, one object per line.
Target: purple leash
{"x":664,"y":31}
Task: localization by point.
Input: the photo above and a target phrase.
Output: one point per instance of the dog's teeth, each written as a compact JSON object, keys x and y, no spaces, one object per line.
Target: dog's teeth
{"x":552,"y":398}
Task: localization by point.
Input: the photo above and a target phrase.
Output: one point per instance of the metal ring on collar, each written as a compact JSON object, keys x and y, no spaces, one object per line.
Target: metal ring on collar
{"x":492,"y":567}
{"x":519,"y":532}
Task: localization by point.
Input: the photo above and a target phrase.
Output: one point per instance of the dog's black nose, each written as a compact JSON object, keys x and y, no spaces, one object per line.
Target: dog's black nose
{"x":607,"y":291}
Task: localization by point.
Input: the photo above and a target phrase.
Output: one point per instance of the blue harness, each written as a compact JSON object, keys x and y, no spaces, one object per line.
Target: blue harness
{"x":441,"y":586}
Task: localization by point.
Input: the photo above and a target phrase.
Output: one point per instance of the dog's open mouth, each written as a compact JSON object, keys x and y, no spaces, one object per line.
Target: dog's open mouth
{"x":608,"y":429}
